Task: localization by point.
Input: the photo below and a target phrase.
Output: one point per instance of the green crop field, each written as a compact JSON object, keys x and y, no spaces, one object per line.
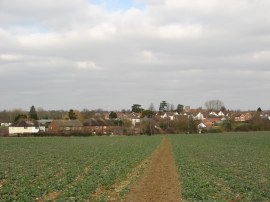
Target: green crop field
{"x":72,"y":168}
{"x":224,"y":167}
{"x":212,"y":167}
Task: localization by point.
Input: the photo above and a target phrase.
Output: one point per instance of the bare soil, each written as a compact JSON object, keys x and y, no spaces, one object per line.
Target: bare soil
{"x":159,"y":183}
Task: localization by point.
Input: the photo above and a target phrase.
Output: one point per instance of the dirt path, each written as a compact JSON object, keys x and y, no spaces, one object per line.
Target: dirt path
{"x":159,"y":183}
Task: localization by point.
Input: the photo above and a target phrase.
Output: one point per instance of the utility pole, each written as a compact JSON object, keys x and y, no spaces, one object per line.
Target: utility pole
{"x":188,"y":126}
{"x":150,"y":120}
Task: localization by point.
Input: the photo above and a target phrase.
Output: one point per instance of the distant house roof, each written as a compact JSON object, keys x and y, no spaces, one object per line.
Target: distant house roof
{"x":134,"y":115}
{"x":97,"y":122}
{"x":44,"y":121}
{"x":58,"y":123}
{"x":213,"y":113}
{"x":25,"y":123}
{"x":221,"y":113}
{"x":73,"y":123}
{"x":201,"y":125}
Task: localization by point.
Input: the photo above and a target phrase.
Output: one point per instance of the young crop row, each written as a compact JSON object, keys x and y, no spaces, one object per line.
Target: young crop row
{"x":67,"y":168}
{"x":224,"y":167}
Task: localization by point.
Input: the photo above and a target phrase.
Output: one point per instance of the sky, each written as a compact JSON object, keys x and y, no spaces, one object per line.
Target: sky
{"x":111,"y":54}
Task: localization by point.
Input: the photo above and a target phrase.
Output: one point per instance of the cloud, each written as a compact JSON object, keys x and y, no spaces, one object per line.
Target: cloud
{"x":262,"y":55}
{"x":182,"y":51}
{"x":180,"y":31}
{"x":8,"y":57}
{"x":86,"y":65}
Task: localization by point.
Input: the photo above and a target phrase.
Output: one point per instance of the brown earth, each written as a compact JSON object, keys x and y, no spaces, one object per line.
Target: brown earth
{"x":160,"y":179}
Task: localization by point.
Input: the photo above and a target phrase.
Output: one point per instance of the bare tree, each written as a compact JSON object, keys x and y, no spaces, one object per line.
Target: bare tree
{"x":152,"y":107}
{"x":172,"y":108}
{"x":214,"y":105}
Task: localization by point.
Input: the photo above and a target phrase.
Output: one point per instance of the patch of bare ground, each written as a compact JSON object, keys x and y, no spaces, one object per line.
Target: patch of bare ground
{"x":2,"y":183}
{"x":119,"y":189}
{"x":159,"y":183}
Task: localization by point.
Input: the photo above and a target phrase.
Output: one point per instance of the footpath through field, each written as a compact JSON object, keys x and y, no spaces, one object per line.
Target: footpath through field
{"x":160,"y":179}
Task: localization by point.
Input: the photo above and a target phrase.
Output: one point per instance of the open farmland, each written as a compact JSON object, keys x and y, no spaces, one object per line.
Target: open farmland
{"x":231,"y":166}
{"x":211,"y":167}
{"x":67,"y":168}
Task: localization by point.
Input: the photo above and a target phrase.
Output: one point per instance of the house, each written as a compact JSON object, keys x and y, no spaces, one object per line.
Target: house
{"x":244,"y":117}
{"x":199,"y":116}
{"x":65,"y":126}
{"x":98,"y":126}
{"x":201,"y":127}
{"x":211,"y":121}
{"x":221,"y":113}
{"x":56,"y":126}
{"x":265,"y":116}
{"x":23,"y":126}
{"x":135,"y":118}
{"x":187,"y":109}
{"x":74,"y":125}
{"x":213,"y":114}
{"x":168,"y":115}
{"x":44,"y":124}
{"x":122,"y":115}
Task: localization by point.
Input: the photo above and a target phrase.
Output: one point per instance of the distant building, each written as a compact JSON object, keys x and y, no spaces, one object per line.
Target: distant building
{"x":23,"y":126}
{"x":5,"y":124}
{"x":65,"y":126}
{"x":187,"y":109}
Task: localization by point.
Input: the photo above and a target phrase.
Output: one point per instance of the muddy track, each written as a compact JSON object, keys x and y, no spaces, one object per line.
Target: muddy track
{"x":159,"y":183}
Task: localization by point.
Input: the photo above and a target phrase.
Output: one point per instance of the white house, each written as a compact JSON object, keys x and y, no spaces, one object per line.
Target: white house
{"x":200,"y":127}
{"x":199,"y":116}
{"x":169,"y":115}
{"x":23,"y":126}
{"x":213,"y":114}
{"x":221,"y":113}
{"x":135,"y":118}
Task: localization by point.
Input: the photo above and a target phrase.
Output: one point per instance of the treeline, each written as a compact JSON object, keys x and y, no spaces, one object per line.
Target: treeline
{"x":10,"y":116}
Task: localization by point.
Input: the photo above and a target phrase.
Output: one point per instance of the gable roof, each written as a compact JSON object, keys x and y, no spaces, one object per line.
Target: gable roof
{"x":73,"y":123}
{"x":24,"y":123}
{"x":97,"y":122}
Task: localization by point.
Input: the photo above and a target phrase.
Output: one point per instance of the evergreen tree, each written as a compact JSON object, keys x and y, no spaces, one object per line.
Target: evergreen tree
{"x":72,"y":115}
{"x":136,"y":108}
{"x":180,"y":108}
{"x":163,"y":107}
{"x":113,"y":115}
{"x":33,"y":113}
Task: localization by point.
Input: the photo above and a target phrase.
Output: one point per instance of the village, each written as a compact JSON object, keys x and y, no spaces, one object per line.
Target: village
{"x":138,"y":121}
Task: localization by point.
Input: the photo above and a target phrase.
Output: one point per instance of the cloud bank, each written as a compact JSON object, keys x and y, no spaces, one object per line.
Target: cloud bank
{"x":98,"y":54}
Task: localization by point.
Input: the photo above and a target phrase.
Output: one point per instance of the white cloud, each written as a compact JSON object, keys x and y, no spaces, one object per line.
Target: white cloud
{"x":262,"y":55}
{"x":8,"y":57}
{"x":148,"y":57}
{"x":86,"y":65}
{"x":179,"y":31}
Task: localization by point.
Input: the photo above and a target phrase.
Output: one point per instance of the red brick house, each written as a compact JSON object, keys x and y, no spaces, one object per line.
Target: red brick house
{"x":98,"y":126}
{"x":66,"y":126}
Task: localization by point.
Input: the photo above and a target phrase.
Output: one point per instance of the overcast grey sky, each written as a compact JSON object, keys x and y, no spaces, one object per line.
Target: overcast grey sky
{"x":111,"y":54}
